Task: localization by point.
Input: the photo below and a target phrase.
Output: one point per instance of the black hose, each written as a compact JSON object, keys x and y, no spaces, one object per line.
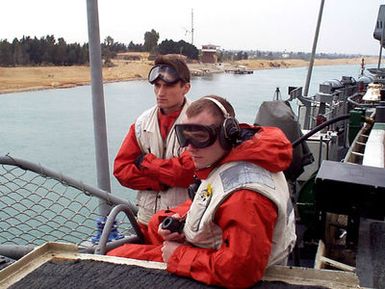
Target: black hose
{"x":318,"y":128}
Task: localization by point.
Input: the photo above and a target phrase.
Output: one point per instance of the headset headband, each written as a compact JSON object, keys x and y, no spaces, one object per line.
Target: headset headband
{"x":221,"y":107}
{"x":230,"y":130}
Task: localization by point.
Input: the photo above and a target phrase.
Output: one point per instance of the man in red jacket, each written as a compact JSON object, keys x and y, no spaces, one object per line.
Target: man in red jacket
{"x":150,"y":159}
{"x":241,"y":219}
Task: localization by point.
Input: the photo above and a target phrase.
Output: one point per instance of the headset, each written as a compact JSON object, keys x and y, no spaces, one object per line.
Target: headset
{"x":230,"y":131}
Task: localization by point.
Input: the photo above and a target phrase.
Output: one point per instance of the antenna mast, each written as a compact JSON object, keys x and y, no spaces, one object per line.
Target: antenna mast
{"x":192,"y":27}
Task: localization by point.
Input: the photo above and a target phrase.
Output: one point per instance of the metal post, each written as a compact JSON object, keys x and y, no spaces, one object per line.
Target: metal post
{"x":192,"y":27}
{"x":309,"y":72}
{"x":100,"y":130}
{"x":311,"y":63}
{"x":381,"y":45}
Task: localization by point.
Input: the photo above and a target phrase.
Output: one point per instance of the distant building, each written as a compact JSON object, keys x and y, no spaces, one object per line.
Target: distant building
{"x":209,"y":53}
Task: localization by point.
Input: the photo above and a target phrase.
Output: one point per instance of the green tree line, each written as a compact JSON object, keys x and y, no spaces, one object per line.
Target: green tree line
{"x":47,"y":50}
{"x":44,"y":51}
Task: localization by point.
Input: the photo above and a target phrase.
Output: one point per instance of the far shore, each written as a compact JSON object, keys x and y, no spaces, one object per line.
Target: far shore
{"x":16,"y":79}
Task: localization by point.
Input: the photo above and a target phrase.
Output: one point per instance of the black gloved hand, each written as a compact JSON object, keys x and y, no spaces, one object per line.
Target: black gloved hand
{"x":139,"y":160}
{"x":192,"y":189}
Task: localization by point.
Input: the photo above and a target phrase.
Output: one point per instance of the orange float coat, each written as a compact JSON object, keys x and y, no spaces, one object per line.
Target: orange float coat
{"x":246,"y":218}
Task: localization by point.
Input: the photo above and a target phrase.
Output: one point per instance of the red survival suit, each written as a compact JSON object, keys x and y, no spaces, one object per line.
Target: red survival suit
{"x":155,"y":173}
{"x":247,"y":220}
{"x":152,"y":173}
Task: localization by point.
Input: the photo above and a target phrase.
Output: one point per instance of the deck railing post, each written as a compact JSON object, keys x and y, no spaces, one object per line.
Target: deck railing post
{"x":100,"y":130}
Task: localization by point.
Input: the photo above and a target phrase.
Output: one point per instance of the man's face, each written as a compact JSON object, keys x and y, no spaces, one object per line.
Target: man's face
{"x":170,"y":97}
{"x":205,"y":157}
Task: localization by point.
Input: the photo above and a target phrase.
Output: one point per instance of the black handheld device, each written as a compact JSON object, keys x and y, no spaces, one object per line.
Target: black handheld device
{"x":173,"y":224}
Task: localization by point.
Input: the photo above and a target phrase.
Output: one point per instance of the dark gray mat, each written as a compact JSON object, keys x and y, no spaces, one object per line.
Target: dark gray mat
{"x":101,"y":275}
{"x":370,"y":261}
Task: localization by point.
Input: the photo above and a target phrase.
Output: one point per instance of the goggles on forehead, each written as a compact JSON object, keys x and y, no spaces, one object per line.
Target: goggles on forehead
{"x":199,"y":136}
{"x":164,"y":72}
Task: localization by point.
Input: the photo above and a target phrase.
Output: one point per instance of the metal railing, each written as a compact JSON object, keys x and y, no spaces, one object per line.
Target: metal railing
{"x":39,"y":205}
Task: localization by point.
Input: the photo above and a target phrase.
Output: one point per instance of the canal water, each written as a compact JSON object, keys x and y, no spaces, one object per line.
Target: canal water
{"x":55,"y":127}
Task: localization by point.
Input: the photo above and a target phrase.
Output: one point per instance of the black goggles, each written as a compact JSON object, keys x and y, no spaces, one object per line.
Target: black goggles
{"x":199,"y":136}
{"x":164,"y":72}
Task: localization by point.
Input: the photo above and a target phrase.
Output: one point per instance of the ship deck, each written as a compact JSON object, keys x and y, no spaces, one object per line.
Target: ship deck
{"x":56,"y":265}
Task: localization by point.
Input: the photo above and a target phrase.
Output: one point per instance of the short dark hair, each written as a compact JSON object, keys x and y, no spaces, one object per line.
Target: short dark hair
{"x":204,"y":104}
{"x":176,"y":61}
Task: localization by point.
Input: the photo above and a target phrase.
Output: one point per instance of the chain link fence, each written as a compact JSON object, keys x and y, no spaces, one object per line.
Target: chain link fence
{"x":39,"y":205}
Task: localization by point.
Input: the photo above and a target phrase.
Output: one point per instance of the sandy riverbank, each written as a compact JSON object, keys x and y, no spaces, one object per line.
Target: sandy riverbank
{"x":14,"y":79}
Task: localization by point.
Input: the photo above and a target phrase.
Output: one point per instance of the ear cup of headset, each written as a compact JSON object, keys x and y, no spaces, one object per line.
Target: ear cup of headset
{"x":229,"y":133}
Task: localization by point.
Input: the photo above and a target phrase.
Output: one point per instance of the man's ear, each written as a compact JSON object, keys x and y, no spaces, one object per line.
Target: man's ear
{"x":186,"y":88}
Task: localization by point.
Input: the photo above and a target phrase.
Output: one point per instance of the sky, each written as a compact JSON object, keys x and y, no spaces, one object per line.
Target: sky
{"x":271,"y":25}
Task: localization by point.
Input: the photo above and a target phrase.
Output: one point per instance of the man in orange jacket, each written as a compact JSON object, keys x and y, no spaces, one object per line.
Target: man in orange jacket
{"x":150,"y":159}
{"x":241,"y":219}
